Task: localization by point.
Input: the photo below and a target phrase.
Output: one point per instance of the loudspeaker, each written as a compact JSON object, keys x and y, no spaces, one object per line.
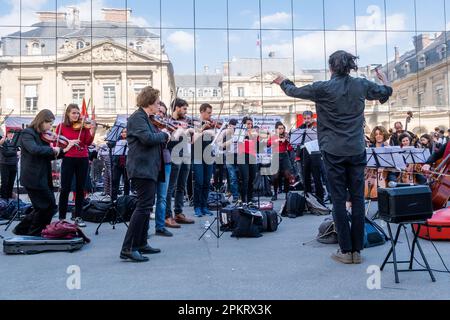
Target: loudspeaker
{"x":405,"y":204}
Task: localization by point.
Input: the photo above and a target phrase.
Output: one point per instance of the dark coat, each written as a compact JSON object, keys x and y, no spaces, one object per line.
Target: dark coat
{"x":144,"y":147}
{"x":35,"y":161}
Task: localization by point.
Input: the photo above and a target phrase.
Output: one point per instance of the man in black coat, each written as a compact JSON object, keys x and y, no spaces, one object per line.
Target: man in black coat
{"x":340,"y":104}
{"x":144,"y":168}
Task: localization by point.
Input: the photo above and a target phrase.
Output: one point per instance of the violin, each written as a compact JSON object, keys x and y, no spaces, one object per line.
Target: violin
{"x":57,"y":141}
{"x":374,"y":179}
{"x":162,"y":123}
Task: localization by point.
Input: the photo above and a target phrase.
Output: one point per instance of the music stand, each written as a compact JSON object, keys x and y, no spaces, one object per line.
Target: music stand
{"x":15,"y":143}
{"x":218,"y":234}
{"x":111,"y":139}
{"x":416,"y":155}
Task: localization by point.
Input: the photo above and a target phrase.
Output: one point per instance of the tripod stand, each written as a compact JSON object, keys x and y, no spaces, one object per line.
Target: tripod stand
{"x":112,"y":212}
{"x":217,"y":233}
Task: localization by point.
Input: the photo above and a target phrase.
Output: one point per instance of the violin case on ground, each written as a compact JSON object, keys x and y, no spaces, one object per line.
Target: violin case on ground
{"x":438,"y":227}
{"x":34,"y":245}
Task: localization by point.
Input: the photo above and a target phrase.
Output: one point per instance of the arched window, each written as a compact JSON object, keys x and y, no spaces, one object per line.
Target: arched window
{"x":442,"y":51}
{"x":406,"y":68}
{"x":139,"y":46}
{"x":35,"y":49}
{"x":80,"y":45}
{"x":422,"y":61}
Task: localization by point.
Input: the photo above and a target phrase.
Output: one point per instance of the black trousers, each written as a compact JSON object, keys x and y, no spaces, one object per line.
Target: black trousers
{"x":8,"y":176}
{"x":247,"y":172}
{"x":118,"y":172}
{"x":312,"y":165}
{"x":69,"y":168}
{"x":44,"y":207}
{"x":136,"y":236}
{"x":347,"y":173}
{"x":284,"y":171}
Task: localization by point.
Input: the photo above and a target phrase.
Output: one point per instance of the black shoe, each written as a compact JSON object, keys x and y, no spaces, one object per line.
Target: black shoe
{"x":274,"y":197}
{"x":148,"y":250}
{"x":134,"y":256}
{"x":164,"y":233}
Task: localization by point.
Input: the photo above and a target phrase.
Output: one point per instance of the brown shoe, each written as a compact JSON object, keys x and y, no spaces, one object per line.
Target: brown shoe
{"x":170,"y":223}
{"x":181,"y":218}
{"x":339,"y":256}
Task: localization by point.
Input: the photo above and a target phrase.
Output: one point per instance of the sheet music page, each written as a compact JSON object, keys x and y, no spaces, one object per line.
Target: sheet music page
{"x":312,"y":146}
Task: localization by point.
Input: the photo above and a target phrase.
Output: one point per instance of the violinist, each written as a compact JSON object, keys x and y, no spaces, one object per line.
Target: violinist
{"x":145,"y":166}
{"x":442,"y":153}
{"x":36,"y":173}
{"x":203,"y":161}
{"x":75,"y":163}
{"x":280,"y":144}
{"x":426,"y":142}
{"x":378,"y":137}
{"x":119,"y":160}
{"x":180,"y":150}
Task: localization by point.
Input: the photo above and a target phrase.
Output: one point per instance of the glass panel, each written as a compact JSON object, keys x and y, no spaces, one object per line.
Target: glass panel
{"x":308,"y":15}
{"x":276,"y":15}
{"x":245,"y":14}
{"x":339,"y":15}
{"x":430,"y":15}
{"x":142,"y":16}
{"x":339,"y":40}
{"x":400,"y":15}
{"x":370,"y":15}
{"x":177,"y":13}
{"x":210,"y":14}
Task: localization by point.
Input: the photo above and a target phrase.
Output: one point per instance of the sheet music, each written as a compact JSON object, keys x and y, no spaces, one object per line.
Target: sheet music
{"x":312,"y":146}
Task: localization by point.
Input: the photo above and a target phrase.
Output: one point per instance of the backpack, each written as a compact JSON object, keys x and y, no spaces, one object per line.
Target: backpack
{"x":96,"y":210}
{"x":295,"y":205}
{"x":372,"y":235}
{"x":272,"y":220}
{"x":249,"y":224}
{"x":63,"y":230}
{"x":327,"y":232}
{"x":11,"y":208}
{"x":315,"y":206}
{"x":217,"y":199}
{"x":126,"y":206}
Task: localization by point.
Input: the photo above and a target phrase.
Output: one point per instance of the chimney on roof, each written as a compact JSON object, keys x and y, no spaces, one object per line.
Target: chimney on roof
{"x":116,"y":15}
{"x":397,"y":55}
{"x":422,"y":41}
{"x":51,"y":16}
{"x":272,"y":54}
{"x":73,"y":18}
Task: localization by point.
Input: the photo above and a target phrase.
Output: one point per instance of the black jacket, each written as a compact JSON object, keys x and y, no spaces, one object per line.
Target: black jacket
{"x":144,"y":147}
{"x":35,"y":161}
{"x":340,"y":105}
{"x":8,"y":154}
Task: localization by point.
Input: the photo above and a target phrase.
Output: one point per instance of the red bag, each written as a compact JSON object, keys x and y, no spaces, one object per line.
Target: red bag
{"x":63,"y":230}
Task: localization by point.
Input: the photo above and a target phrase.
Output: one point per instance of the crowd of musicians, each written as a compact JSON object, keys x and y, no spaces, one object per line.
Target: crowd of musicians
{"x":163,"y":155}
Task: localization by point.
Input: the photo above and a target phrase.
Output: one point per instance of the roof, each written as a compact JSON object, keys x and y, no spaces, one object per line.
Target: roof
{"x":200,"y":80}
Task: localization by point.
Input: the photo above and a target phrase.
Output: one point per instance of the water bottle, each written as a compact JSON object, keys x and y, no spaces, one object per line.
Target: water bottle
{"x":207,"y":224}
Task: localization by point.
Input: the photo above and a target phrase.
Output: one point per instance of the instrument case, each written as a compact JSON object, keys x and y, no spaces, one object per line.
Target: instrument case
{"x":34,"y":245}
{"x":438,"y":227}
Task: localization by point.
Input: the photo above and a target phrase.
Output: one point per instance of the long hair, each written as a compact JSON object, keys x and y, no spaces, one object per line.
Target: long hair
{"x":69,"y":109}
{"x":383,"y":132}
{"x":43,"y":116}
{"x":342,"y":62}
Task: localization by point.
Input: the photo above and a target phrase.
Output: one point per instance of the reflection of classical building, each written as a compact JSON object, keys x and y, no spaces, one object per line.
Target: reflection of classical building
{"x":420,"y":81}
{"x":61,"y":60}
{"x":244,"y":92}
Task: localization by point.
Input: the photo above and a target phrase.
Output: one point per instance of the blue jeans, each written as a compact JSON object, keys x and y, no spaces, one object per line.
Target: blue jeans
{"x":202,"y":181}
{"x":161,"y":200}
{"x":232,"y":175}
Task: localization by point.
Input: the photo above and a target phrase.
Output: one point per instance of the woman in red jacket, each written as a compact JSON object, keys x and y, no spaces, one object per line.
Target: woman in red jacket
{"x":75,"y":162}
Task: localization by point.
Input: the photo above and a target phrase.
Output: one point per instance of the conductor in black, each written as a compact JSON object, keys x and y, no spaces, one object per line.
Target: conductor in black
{"x":340,"y":106}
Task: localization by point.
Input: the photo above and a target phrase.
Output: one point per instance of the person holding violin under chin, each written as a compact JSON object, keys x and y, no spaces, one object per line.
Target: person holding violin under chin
{"x":76,"y":161}
{"x":36,"y":173}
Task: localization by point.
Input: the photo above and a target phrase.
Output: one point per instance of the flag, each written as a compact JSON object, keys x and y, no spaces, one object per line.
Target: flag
{"x":258,"y":41}
{"x":84,"y":112}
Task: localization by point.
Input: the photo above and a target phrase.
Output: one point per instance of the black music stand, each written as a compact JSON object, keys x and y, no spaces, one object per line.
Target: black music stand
{"x":111,"y":139}
{"x":218,"y":234}
{"x":415,"y":243}
{"x":15,"y":143}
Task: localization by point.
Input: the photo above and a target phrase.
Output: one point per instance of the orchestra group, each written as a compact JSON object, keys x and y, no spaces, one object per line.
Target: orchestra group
{"x":163,"y":156}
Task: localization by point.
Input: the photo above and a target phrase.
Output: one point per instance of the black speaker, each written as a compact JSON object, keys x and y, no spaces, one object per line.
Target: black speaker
{"x":405,"y":204}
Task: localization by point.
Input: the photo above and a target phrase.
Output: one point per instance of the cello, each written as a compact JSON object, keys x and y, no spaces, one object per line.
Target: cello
{"x":440,"y":185}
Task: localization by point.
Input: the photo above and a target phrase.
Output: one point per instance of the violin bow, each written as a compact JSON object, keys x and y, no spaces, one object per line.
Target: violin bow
{"x":84,"y":118}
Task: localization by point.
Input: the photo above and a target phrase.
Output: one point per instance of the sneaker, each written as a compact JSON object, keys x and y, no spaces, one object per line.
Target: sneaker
{"x":206,"y":212}
{"x":198,"y":212}
{"x":339,"y":256}
{"x":163,"y":233}
{"x":79,"y":222}
{"x":356,"y":257}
